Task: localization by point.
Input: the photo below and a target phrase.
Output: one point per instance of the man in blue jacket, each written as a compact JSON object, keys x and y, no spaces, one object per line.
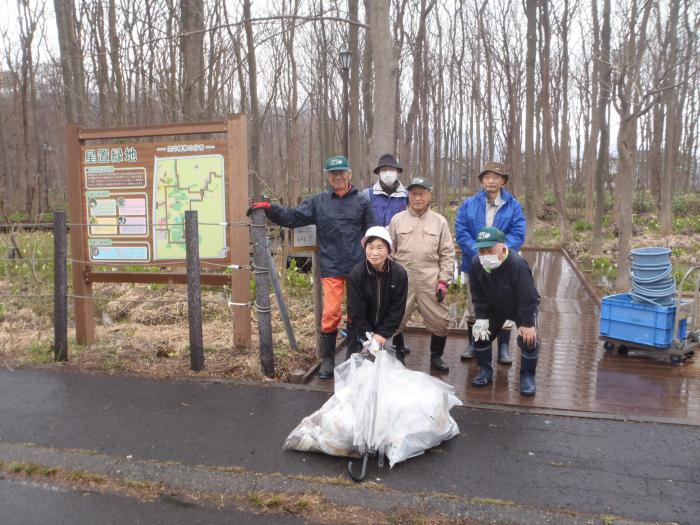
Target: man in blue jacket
{"x":387,"y":196}
{"x":492,"y":206}
{"x":342,"y":216}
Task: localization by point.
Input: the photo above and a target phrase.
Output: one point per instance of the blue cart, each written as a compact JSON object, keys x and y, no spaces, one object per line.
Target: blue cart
{"x":666,"y":332}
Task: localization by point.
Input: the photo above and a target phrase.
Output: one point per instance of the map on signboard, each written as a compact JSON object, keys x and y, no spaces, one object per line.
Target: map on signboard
{"x":189,"y":183}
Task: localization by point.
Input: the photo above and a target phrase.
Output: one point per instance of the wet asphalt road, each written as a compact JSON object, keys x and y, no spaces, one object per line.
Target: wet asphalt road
{"x":32,"y":503}
{"x":643,"y":471}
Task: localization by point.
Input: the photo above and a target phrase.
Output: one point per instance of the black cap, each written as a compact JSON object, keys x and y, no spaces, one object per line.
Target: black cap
{"x":387,"y":161}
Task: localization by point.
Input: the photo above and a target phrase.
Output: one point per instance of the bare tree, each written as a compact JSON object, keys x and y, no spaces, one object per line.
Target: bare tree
{"x":630,"y":105}
{"x":602,"y":162}
{"x":530,"y":165}
{"x":382,"y":139}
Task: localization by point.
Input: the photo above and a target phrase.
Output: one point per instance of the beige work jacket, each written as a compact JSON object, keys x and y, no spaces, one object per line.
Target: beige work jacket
{"x":423,"y":245}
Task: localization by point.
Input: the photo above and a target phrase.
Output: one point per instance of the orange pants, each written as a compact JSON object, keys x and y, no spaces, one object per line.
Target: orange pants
{"x":333,"y":295}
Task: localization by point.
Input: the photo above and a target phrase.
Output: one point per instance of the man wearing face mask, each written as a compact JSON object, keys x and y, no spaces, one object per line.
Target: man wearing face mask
{"x":387,"y":196}
{"x":423,"y":245}
{"x":492,"y":206}
{"x":502,"y":287}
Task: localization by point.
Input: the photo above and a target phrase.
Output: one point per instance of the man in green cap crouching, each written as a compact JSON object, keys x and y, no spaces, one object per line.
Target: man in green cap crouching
{"x":342,"y":216}
{"x":502,"y":287}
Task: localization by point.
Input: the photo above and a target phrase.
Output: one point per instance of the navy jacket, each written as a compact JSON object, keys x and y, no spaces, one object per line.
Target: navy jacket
{"x":377,"y":300}
{"x":471,"y":217}
{"x":341,"y":223}
{"x":386,"y":206}
{"x":508,"y":292}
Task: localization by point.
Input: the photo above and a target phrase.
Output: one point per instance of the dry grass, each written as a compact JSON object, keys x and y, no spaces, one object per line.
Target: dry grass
{"x":152,"y":338}
{"x":309,"y":506}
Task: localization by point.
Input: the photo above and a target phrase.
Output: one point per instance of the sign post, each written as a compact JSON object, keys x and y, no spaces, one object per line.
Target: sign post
{"x":304,"y":241}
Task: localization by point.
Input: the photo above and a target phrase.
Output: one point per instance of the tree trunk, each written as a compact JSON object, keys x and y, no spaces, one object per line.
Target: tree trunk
{"x":672,"y":132}
{"x":624,"y":194}
{"x":254,"y":122}
{"x":354,"y":116}
{"x":383,"y":139}
{"x":548,"y":128}
{"x":602,"y":163}
{"x":72,"y":71}
{"x":530,"y":166}
{"x":192,"y":50}
{"x":417,"y":83}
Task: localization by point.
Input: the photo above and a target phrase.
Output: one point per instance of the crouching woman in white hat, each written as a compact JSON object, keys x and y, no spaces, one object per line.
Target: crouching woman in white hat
{"x":377,"y":291}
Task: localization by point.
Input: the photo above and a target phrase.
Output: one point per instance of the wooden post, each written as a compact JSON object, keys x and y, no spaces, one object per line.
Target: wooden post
{"x":84,"y":308}
{"x":60,"y":287}
{"x":318,"y":299}
{"x":284,"y":312}
{"x":194,"y":292}
{"x":262,"y":291}
{"x":238,"y":234}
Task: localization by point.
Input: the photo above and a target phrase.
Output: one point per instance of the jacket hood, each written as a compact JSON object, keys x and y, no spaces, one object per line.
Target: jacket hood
{"x":400,"y":190}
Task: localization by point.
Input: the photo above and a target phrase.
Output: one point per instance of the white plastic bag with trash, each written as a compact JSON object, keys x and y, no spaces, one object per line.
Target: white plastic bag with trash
{"x":379,"y":406}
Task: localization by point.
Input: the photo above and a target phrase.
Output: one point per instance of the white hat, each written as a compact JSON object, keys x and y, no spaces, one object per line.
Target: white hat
{"x":378,"y":231}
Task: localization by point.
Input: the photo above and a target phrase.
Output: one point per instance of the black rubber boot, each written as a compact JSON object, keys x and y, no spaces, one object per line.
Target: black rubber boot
{"x":437,"y":347}
{"x":354,"y":345}
{"x":528,"y":366}
{"x":504,"y":356}
{"x":485,"y":375}
{"x":328,"y":354}
{"x":399,"y":349}
{"x":469,"y":352}
{"x":399,"y":344}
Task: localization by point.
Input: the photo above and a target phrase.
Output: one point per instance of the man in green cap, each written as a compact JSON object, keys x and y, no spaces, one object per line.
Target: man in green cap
{"x":423,"y":246}
{"x":342,"y":216}
{"x":502,"y":287}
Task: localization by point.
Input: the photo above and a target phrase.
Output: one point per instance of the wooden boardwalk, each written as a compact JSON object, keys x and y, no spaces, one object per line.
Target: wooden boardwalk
{"x":574,"y":372}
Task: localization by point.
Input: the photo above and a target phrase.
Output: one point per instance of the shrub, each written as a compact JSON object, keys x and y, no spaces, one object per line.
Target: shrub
{"x":687,"y":204}
{"x":582,"y":226}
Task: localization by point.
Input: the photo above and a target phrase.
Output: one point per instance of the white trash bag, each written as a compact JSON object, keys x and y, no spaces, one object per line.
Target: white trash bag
{"x":379,"y":407}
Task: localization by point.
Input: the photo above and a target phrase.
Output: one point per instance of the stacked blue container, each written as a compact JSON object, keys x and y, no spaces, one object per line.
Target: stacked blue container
{"x":652,"y":281}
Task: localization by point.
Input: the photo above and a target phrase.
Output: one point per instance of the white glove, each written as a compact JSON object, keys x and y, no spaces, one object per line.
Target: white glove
{"x":480,"y":330}
{"x":371,"y":344}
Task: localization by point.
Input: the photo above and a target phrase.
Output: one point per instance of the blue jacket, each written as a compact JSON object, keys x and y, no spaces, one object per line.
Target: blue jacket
{"x":341,"y":223}
{"x":386,"y":206}
{"x":471,"y":217}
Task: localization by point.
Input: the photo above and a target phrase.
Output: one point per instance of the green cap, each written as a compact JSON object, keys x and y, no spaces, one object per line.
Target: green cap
{"x":337,"y":163}
{"x":419,"y":182}
{"x":489,"y":236}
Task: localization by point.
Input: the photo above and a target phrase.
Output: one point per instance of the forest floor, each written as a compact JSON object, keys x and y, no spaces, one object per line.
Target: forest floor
{"x":143,"y":329}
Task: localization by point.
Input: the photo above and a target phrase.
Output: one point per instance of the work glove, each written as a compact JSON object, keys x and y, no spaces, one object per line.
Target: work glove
{"x":480,"y":330}
{"x":264,"y":205}
{"x":371,"y":344}
{"x":441,"y":291}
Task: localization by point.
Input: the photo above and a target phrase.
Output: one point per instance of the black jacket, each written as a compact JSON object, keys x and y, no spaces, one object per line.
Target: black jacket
{"x":377,"y":300}
{"x":341,"y":222}
{"x":507,"y":292}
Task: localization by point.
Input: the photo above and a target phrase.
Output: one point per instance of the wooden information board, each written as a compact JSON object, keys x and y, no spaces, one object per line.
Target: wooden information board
{"x":135,"y":198}
{"x":128,"y":197}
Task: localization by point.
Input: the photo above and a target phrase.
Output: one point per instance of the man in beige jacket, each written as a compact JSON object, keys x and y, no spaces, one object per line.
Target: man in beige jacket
{"x":423,"y":246}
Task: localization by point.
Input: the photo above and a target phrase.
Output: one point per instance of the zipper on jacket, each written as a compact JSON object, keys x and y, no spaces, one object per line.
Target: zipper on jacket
{"x":379,"y":299}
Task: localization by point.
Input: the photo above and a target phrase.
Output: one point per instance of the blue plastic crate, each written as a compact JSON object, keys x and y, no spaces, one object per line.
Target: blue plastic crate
{"x":644,"y":324}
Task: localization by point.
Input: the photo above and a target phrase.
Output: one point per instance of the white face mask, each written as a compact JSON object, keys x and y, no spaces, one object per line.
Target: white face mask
{"x":490,"y":262}
{"x":388,"y":177}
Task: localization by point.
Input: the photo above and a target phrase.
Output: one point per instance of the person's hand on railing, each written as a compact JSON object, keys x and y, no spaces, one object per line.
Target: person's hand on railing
{"x":264,"y":205}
